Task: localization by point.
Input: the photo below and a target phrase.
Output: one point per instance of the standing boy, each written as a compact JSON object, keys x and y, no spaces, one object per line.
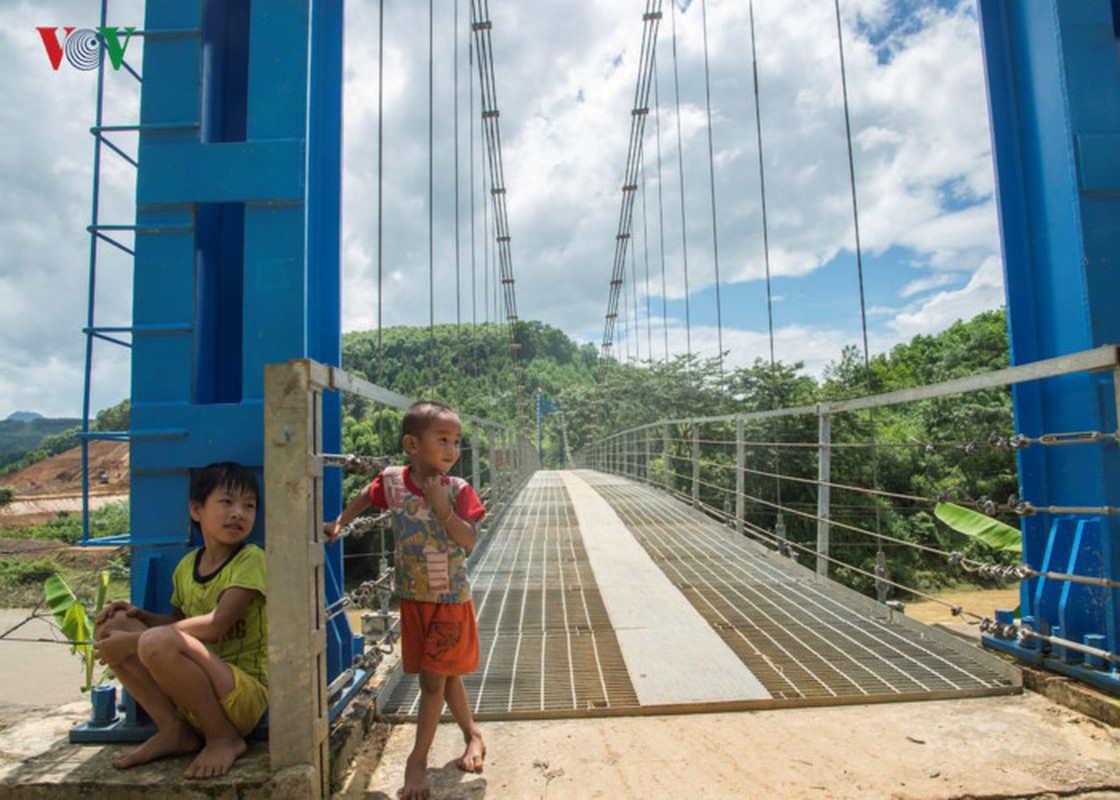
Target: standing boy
{"x":434,"y":518}
{"x":201,"y":672}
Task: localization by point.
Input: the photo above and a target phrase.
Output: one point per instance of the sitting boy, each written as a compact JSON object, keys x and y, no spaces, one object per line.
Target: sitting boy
{"x":201,"y":672}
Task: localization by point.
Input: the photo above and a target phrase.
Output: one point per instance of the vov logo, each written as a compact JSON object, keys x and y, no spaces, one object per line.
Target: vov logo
{"x":85,"y":47}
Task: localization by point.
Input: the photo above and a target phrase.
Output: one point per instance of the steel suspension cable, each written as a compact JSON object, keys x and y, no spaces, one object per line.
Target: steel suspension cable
{"x":431,"y":200}
{"x":379,"y":376}
{"x":762,"y":186}
{"x":645,"y":253}
{"x":712,"y":185}
{"x":481,"y":26}
{"x":476,"y":345}
{"x":766,"y":252}
{"x":455,"y":114}
{"x":634,"y":310}
{"x":859,"y":255}
{"x":486,"y":294}
{"x":661,"y":211}
{"x":680,"y":168}
{"x":470,"y":128}
{"x":380,"y":173}
{"x":639,"y":112}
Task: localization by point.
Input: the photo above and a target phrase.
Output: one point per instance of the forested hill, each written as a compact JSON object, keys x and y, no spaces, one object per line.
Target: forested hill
{"x":471,"y":368}
{"x":25,"y":442}
{"x":20,"y":434}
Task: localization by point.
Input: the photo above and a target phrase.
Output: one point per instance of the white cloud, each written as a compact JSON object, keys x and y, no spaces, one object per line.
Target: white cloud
{"x":984,"y":291}
{"x":565,"y":88}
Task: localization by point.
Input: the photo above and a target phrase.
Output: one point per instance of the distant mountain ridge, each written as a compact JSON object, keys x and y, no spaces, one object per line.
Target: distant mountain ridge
{"x":24,"y":430}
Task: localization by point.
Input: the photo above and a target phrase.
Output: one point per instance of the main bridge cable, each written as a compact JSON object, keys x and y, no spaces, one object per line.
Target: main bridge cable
{"x":638,"y":114}
{"x":481,"y":26}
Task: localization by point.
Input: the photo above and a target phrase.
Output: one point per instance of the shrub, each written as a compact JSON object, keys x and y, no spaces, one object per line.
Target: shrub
{"x":24,"y":572}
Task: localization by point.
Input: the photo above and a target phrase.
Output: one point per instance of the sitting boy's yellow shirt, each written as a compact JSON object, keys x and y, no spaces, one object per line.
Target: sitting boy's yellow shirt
{"x":245,"y":644}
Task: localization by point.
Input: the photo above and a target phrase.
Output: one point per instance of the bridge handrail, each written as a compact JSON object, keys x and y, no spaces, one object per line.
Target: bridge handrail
{"x":712,"y":469}
{"x":1100,"y":358}
{"x":336,"y":378}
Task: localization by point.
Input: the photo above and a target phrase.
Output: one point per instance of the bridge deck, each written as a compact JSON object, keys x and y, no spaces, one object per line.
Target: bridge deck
{"x":598,"y":595}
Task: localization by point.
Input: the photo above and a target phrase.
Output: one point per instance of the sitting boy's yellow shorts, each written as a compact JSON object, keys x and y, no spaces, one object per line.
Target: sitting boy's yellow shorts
{"x":244,"y":705}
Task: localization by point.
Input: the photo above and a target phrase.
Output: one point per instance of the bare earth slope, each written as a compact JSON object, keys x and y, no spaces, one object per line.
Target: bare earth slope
{"x":54,"y":485}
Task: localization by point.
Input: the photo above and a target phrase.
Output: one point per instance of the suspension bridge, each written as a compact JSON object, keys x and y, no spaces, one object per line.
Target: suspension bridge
{"x":628,"y":585}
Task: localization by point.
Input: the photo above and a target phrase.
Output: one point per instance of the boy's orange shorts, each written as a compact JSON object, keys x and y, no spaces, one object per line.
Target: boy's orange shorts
{"x":438,"y":637}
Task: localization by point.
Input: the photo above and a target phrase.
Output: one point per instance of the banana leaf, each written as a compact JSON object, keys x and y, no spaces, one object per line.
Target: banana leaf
{"x":59,"y":599}
{"x":73,"y":619}
{"x":997,"y":535}
{"x":102,"y":592}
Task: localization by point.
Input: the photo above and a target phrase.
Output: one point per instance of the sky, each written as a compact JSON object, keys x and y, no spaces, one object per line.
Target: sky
{"x":565,"y":78}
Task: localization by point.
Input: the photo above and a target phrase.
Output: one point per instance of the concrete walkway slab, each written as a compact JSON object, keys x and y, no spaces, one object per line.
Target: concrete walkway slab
{"x":673,"y":656}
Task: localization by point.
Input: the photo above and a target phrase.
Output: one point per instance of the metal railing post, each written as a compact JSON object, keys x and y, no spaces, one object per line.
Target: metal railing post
{"x":507,"y":463}
{"x":696,"y":464}
{"x":476,"y":463}
{"x":492,"y":481}
{"x":294,"y":559}
{"x":740,"y":463}
{"x":824,"y":495}
{"x":667,"y":459}
{"x":649,"y":456}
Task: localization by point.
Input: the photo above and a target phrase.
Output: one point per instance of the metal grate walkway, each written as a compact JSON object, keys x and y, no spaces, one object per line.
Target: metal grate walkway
{"x":598,"y":606}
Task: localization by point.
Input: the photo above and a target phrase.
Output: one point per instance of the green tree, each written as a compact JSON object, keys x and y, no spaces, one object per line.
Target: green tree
{"x":115,"y":418}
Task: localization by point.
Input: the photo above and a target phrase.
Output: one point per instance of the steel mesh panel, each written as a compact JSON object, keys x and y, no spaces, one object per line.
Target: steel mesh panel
{"x":547,"y":646}
{"x":549,"y":649}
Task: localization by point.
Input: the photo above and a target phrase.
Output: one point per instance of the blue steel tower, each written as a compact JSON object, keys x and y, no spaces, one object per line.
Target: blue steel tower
{"x":1054,"y":92}
{"x":236,"y":256}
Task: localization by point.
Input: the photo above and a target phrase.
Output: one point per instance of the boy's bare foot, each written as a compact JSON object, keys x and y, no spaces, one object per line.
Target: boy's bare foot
{"x":474,"y":754}
{"x":216,"y":758}
{"x":174,"y":741}
{"x":415,"y":781}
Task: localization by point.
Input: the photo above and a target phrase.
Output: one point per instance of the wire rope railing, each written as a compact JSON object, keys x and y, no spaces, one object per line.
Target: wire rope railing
{"x":832,"y":500}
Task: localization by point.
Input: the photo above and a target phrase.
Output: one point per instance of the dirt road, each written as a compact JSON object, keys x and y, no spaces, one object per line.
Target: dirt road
{"x":1002,"y":747}
{"x":996,"y":747}
{"x":1013,"y":746}
{"x":37,"y":674}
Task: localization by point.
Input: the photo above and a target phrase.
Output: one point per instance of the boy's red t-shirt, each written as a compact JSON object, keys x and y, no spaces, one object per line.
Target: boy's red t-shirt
{"x":428,"y":565}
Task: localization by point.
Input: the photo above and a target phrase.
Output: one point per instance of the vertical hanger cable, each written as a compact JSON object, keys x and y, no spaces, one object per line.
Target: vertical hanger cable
{"x":712,"y":185}
{"x":680,"y":168}
{"x":859,"y":268}
{"x":431,"y":201}
{"x":766,"y":260}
